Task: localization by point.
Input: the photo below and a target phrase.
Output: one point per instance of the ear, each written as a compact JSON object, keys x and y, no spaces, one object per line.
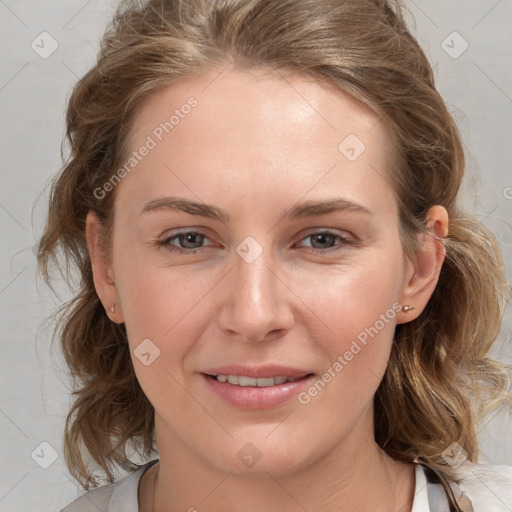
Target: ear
{"x":103,"y":277}
{"x":422,"y":274}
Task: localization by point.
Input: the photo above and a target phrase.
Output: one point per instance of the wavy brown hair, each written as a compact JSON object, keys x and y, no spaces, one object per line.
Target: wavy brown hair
{"x":439,"y":381}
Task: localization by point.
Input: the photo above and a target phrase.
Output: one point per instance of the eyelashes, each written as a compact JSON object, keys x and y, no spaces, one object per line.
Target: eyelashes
{"x":167,"y":242}
{"x":183,"y":237}
{"x":344,"y":240}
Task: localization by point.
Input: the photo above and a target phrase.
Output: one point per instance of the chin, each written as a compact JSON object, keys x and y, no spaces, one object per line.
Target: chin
{"x":259,"y":455}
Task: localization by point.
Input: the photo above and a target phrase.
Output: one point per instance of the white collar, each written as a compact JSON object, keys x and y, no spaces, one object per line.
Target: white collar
{"x":428,"y":497}
{"x":125,"y":495}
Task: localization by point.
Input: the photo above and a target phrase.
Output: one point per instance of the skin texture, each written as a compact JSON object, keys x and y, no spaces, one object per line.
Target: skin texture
{"x":257,"y":143}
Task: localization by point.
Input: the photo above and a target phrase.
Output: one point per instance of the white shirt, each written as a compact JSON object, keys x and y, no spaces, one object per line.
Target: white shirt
{"x":488,"y":487}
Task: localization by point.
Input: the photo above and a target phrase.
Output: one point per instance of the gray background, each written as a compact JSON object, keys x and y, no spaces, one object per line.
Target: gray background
{"x":34,"y":398}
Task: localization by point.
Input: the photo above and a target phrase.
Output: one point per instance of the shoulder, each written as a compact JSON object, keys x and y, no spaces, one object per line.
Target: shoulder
{"x":97,"y":499}
{"x":114,"y":497}
{"x":489,"y":487}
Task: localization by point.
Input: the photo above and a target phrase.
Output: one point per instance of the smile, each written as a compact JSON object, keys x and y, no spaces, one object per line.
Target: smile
{"x":242,"y":380}
{"x":256,"y":393}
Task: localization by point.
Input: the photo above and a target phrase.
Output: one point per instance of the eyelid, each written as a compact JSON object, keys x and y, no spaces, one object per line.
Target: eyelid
{"x":345,"y":240}
{"x":165,"y":242}
{"x":331,"y":231}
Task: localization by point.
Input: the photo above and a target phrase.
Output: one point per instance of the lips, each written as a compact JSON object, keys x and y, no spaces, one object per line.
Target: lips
{"x":234,"y":384}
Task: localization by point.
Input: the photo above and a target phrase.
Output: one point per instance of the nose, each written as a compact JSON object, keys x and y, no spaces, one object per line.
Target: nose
{"x":256,"y":302}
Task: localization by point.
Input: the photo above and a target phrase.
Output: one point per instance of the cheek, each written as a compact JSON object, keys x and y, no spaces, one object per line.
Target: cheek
{"x":162,"y":317}
{"x":344,"y":302}
{"x":354,"y":310}
{"x":166,"y":305}
{"x":356,"y":359}
{"x":158,"y":308}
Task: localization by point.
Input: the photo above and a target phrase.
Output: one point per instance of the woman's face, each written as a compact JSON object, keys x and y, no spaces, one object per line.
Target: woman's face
{"x":265,"y":286}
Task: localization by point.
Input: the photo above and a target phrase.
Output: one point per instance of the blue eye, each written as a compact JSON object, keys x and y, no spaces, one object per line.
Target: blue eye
{"x":197,"y":237}
{"x":184,"y":237}
{"x":326,"y":236}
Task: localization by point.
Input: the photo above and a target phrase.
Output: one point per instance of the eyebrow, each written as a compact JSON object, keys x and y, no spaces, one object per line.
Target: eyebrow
{"x":305,"y":209}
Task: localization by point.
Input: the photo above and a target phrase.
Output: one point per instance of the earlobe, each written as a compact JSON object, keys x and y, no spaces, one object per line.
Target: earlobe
{"x":103,"y":283}
{"x":426,"y":267}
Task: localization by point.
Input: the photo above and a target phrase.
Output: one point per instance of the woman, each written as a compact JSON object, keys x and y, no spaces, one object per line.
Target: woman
{"x":215,"y":148}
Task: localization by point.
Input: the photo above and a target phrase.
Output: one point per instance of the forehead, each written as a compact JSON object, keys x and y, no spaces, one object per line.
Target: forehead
{"x":256,"y":97}
{"x":253,"y":130}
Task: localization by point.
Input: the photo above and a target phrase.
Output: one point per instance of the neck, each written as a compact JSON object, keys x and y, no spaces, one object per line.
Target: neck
{"x":337,"y":481}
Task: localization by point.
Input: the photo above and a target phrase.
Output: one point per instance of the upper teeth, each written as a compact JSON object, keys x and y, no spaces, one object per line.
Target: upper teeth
{"x":242,"y":380}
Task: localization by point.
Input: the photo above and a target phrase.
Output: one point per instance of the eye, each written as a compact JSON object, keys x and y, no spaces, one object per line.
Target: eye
{"x":327,"y":237}
{"x":189,"y":240}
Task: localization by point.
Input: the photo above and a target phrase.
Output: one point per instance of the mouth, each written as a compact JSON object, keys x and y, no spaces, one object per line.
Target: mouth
{"x":260,"y":382}
{"x":256,"y":393}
